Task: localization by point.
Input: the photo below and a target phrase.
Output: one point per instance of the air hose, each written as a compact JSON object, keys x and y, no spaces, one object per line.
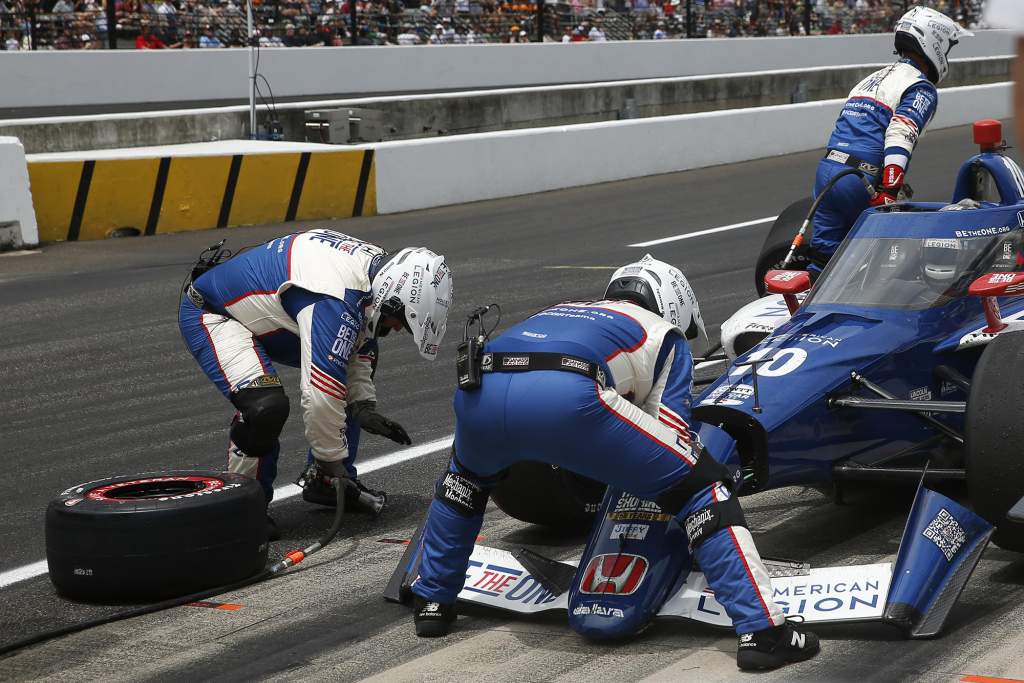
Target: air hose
{"x":290,"y":559}
{"x":798,"y":240}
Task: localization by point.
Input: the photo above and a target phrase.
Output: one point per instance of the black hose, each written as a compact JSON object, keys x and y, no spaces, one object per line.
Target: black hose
{"x":291,"y":558}
{"x":799,"y":237}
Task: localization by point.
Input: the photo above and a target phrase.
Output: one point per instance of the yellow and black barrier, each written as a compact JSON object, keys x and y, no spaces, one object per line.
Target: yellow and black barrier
{"x":89,"y":199}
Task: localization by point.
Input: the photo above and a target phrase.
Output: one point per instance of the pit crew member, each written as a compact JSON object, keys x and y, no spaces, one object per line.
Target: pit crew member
{"x":316,"y":300}
{"x":602,"y":389}
{"x":880,"y":125}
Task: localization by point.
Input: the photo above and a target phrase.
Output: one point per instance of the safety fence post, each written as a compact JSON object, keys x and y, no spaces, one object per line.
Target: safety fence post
{"x":807,"y":17}
{"x":111,"y":24}
{"x":31,"y":6}
{"x":354,"y":20}
{"x":689,"y":18}
{"x":540,"y":21}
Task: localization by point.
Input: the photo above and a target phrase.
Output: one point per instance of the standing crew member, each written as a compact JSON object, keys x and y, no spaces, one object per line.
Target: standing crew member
{"x":880,"y":125}
{"x":318,"y":301}
{"x":602,"y":389}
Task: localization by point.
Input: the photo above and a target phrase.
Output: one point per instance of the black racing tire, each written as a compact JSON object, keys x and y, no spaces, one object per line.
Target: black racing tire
{"x":994,"y":433}
{"x":149,"y":537}
{"x":780,"y":237}
{"x":537,"y":493}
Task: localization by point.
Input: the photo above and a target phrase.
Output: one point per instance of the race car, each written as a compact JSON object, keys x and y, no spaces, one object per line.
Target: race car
{"x":905,"y":362}
{"x":906,"y":352}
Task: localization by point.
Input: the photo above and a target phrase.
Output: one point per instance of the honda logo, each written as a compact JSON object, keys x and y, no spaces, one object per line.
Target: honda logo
{"x":616,"y":574}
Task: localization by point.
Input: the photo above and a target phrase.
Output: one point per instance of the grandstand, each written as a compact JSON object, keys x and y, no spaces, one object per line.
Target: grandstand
{"x":184,"y":24}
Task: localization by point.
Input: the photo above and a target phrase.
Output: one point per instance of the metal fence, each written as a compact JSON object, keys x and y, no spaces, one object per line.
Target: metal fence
{"x":82,"y":24}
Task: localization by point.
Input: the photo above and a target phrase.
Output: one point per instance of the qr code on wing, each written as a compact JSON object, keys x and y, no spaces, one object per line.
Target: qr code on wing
{"x":946,"y":533}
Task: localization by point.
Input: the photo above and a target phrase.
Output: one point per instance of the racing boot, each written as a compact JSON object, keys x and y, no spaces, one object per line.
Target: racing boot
{"x":773,"y":647}
{"x":432,"y":619}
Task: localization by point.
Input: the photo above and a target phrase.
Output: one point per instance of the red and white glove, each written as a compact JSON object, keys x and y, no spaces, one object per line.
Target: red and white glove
{"x":889,"y":186}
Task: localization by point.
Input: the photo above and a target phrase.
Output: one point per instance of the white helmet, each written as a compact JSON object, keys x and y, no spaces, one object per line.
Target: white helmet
{"x":931,"y":34}
{"x":661,"y":289}
{"x":415,"y":285}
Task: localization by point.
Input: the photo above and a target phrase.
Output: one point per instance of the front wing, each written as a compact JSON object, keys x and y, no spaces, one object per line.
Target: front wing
{"x":496,"y":579}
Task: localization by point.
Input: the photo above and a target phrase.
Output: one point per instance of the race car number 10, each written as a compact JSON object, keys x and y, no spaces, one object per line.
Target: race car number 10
{"x":779,"y":362}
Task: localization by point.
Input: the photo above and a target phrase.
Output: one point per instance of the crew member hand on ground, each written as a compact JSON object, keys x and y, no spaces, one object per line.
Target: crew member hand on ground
{"x":880,"y":125}
{"x":602,"y":389}
{"x":319,"y":301}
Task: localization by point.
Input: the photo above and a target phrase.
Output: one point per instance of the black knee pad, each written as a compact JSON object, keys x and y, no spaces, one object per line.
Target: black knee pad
{"x":700,"y":525}
{"x":706,"y":472}
{"x":264,"y":411}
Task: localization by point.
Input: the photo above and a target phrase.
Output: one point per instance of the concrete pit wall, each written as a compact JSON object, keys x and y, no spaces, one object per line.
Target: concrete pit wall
{"x":44,"y":82}
{"x":421,"y":116}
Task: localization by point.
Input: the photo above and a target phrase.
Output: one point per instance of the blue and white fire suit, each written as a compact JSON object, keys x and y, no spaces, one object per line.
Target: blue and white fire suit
{"x":632,"y":433}
{"x":880,"y":124}
{"x":299,"y":300}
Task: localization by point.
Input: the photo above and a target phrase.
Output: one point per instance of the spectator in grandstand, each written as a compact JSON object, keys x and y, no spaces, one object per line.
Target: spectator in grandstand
{"x":578,"y":35}
{"x":147,"y":40}
{"x":209,"y":39}
{"x":11,"y":43}
{"x":408,"y":36}
{"x":567,"y":34}
{"x":437,"y":37}
{"x":188,"y":41}
{"x":597,"y":34}
{"x":659,"y":33}
{"x":291,"y":39}
{"x":167,"y":10}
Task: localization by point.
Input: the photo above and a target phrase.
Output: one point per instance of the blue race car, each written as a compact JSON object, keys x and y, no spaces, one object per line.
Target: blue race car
{"x":889,"y":363}
{"x":908,"y":351}
{"x":904,"y":362}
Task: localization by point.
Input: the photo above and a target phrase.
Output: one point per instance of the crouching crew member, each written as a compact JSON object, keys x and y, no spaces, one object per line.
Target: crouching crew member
{"x":602,"y":389}
{"x":316,"y":300}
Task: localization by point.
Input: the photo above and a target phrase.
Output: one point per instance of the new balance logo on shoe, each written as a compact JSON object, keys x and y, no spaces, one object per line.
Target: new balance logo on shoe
{"x":799,"y":639}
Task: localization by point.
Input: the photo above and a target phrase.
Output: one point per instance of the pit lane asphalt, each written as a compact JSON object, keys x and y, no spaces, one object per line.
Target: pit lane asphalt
{"x":96,"y":381}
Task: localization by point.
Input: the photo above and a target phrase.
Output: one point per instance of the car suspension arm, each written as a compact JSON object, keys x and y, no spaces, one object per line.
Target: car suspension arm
{"x":892,"y":402}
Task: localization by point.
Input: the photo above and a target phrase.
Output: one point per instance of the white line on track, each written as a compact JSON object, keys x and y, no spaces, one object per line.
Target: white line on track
{"x":701,"y":233}
{"x":29,"y":571}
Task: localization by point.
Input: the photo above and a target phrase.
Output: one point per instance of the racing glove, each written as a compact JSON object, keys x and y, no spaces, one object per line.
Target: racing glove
{"x":365,"y":413}
{"x":889,"y":187}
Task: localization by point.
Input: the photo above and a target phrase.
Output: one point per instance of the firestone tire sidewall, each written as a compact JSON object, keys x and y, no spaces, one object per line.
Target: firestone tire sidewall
{"x":994,"y":432}
{"x":125,"y":551}
{"x":780,"y":237}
